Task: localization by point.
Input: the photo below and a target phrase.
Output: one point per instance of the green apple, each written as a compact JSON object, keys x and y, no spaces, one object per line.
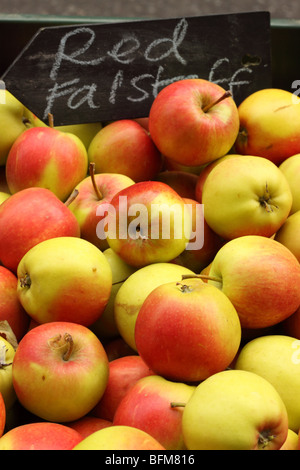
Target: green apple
{"x":248,"y":195}
{"x":64,"y":279}
{"x":7,"y":353}
{"x":134,"y":291}
{"x":277,"y":359}
{"x":105,"y":327}
{"x":119,"y":438}
{"x":291,"y":170}
{"x":85,"y":132}
{"x":146,"y":406}
{"x":3,"y":196}
{"x":289,"y":234}
{"x":235,"y":410}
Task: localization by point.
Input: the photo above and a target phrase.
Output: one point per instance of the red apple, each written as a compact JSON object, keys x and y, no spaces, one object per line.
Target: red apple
{"x":47,"y":158}
{"x":186,"y":331}
{"x":146,"y":406}
{"x":193,"y":121}
{"x":40,"y":436}
{"x":182,"y":182}
{"x":125,"y":147}
{"x":90,"y":205}
{"x":60,"y":371}
{"x":124,"y":372}
{"x":29,"y":217}
{"x":204,"y":242}
{"x":11,"y":309}
{"x":260,"y":276}
{"x":147,"y":223}
{"x":88,"y":424}
{"x":2,"y":415}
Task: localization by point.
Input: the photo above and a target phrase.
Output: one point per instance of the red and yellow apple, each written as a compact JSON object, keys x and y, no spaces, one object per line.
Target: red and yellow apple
{"x":88,"y":424}
{"x":60,"y":371}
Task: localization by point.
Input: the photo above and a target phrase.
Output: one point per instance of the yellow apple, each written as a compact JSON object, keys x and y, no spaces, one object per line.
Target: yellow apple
{"x":7,"y":353}
{"x":3,"y":196}
{"x":277,"y":359}
{"x":289,"y":234}
{"x":292,"y":441}
{"x":235,"y":410}
{"x":291,"y":170}
{"x":85,"y":132}
{"x":135,"y":289}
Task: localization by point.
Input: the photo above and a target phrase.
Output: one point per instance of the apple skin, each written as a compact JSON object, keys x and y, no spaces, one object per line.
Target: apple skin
{"x":269,"y":125}
{"x":47,"y":158}
{"x":57,"y":380}
{"x":29,"y":217}
{"x":182,"y":182}
{"x":85,"y":132}
{"x":2,"y":415}
{"x":6,"y":382}
{"x":146,"y":406}
{"x":242,"y":406}
{"x":134,"y":291}
{"x":124,"y":372}
{"x":289,"y":234}
{"x":119,"y":438}
{"x":290,"y":167}
{"x":88,"y":424}
{"x":87,"y":203}
{"x":64,"y":279}
{"x":186,"y":331}
{"x":277,"y":359}
{"x":183,"y":132}
{"x":11,"y":309}
{"x":261,"y":277}
{"x":40,"y":436}
{"x":198,"y":259}
{"x":4,"y":196}
{"x":291,"y":442}
{"x":247,"y":195}
{"x":125,"y":147}
{"x":158,"y":203}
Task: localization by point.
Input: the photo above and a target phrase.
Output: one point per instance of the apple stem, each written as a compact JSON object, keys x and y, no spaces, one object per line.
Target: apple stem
{"x":51,"y":120}
{"x":202,"y":276}
{"x":177,"y":404}
{"x":64,"y":343}
{"x":72,"y":196}
{"x":92,"y":174}
{"x":222,"y":97}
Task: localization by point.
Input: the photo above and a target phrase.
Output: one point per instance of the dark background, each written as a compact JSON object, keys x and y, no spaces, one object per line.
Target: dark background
{"x":147,"y":8}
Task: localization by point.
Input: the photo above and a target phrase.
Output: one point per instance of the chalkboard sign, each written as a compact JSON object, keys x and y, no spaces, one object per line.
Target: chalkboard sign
{"x":99,"y":72}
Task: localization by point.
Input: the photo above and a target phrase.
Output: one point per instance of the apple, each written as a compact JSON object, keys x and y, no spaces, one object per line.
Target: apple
{"x":134,"y":291}
{"x":291,"y":442}
{"x":11,"y":309}
{"x":7,"y":353}
{"x":14,"y":120}
{"x":290,"y":167}
{"x":171,"y":165}
{"x":204,"y":242}
{"x":105,"y":327}
{"x":47,"y":158}
{"x":90,"y":205}
{"x":60,"y":371}
{"x":124,"y":372}
{"x":235,"y":410}
{"x":182,"y":182}
{"x":4,"y":196}
{"x":84,"y":131}
{"x":277,"y":359}
{"x":119,"y":438}
{"x":2,"y":415}
{"x":260,"y":276}
{"x":125,"y":147}
{"x":88,"y":424}
{"x":187,"y":331}
{"x":289,"y":234}
{"x":148,"y":223}
{"x":269,"y":125}
{"x":146,"y":406}
{"x":29,"y":217}
{"x":64,"y":279}
{"x":40,"y":436}
{"x":247,"y":195}
{"x":193,"y":121}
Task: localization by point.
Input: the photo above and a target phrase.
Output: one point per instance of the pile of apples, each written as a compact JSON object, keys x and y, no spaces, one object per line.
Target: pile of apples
{"x":183,"y":342}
